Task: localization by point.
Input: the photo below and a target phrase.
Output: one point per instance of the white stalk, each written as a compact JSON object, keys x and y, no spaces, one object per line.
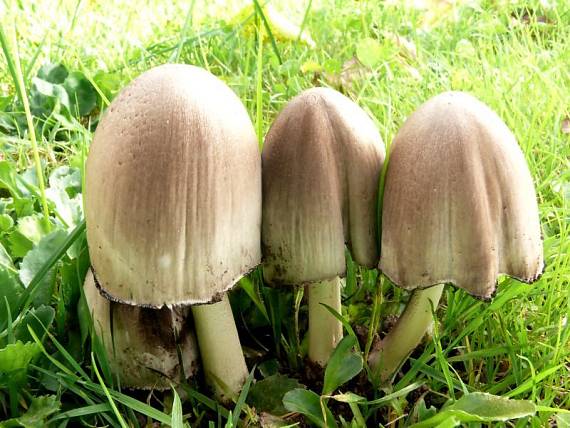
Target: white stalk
{"x":325,"y":330}
{"x":406,"y":334}
{"x":220,"y":348}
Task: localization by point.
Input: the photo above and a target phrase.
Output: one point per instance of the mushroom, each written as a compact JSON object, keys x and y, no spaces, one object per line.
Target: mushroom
{"x":321,"y":165}
{"x":173,"y":205}
{"x":459,"y":207}
{"x":141,"y":343}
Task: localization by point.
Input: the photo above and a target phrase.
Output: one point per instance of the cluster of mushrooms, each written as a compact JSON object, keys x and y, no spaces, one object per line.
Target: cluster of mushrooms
{"x":180,"y":205}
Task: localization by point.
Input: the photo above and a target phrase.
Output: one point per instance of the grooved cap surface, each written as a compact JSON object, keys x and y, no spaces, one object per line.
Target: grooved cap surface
{"x":459,"y":202}
{"x":322,"y":159}
{"x":173,"y":190}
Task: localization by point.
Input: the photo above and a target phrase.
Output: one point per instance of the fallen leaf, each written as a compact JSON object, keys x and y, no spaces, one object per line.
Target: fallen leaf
{"x":464,"y":48}
{"x":267,"y":395}
{"x":352,"y":70}
{"x":369,"y":52}
{"x":406,"y":47}
{"x":435,"y":12}
{"x":413,"y":71}
{"x":268,"y":420}
{"x":281,"y":27}
{"x":566,"y":126}
{"x":529,"y":16}
{"x":311,"y":67}
{"x":461,"y":79}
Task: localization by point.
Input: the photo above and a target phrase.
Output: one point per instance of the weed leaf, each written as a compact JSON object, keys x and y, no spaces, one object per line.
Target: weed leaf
{"x":82,"y":95}
{"x":10,"y":293}
{"x":53,"y":73}
{"x":369,"y":52}
{"x":35,"y":260}
{"x":16,"y":356}
{"x":36,"y":416}
{"x":8,"y":178}
{"x":481,"y":407}
{"x":267,"y":394}
{"x":308,"y":404}
{"x":38,"y":319}
{"x":343,"y":365}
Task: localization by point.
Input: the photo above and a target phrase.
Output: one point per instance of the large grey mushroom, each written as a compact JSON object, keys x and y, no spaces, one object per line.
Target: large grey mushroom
{"x":141,"y":343}
{"x":321,"y":165}
{"x":459,"y":207}
{"x":173,"y":205}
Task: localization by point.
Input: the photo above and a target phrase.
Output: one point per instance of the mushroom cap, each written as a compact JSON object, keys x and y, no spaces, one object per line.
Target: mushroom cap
{"x":145,"y":354}
{"x":459,"y":202}
{"x":173,"y":190}
{"x":321,"y":160}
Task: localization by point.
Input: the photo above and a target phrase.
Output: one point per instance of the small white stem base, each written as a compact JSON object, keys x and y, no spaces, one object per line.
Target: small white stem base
{"x":406,"y":334}
{"x":325,"y":331}
{"x":222,"y":357}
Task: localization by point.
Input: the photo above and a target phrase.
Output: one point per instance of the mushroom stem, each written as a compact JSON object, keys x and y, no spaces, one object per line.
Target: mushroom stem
{"x":222,"y":357}
{"x":325,"y":330}
{"x":406,"y":334}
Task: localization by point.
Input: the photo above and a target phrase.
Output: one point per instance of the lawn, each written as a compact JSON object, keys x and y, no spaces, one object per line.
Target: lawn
{"x":71,"y":58}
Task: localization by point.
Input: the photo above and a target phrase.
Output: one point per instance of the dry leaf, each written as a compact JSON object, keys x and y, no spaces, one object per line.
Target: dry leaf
{"x":435,"y":12}
{"x":352,"y":70}
{"x":528,"y":17}
{"x":281,"y":27}
{"x":407,"y":48}
{"x":311,"y":67}
{"x":566,"y":125}
{"x":413,"y":71}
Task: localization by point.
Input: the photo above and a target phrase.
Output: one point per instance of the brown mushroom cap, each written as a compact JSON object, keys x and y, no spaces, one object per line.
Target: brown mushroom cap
{"x":173,"y":190}
{"x":145,"y":354}
{"x":459,"y":202}
{"x":321,"y":160}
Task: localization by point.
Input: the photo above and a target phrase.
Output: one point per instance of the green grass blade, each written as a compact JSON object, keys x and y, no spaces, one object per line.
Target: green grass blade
{"x":107,"y":394}
{"x":140,"y":407}
{"x":175,"y":57}
{"x":71,"y":383}
{"x":304,"y":21}
{"x":345,"y":324}
{"x":242,"y":396}
{"x":53,"y":360}
{"x":205,"y":400}
{"x":177,"y":415}
{"x":10,"y":325}
{"x":394,"y":395}
{"x":16,"y":73}
{"x":32,"y":62}
{"x":260,"y":12}
{"x":528,"y":384}
{"x":70,"y":360}
{"x":93,"y":409}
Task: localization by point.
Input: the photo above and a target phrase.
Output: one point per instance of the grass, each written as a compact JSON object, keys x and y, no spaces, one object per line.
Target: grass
{"x":514,"y":56}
